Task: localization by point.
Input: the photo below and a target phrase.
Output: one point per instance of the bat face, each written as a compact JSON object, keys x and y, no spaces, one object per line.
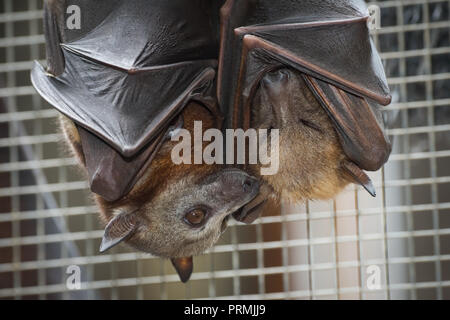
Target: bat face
{"x":174,"y":211}
{"x":189,"y":216}
{"x":311,"y":157}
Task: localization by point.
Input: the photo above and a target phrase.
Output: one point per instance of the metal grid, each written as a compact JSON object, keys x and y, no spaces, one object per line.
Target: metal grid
{"x":319,"y":250}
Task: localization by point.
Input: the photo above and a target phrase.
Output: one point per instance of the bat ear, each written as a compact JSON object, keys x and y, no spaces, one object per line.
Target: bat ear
{"x":119,"y":229}
{"x":184,"y":267}
{"x":359,"y":176}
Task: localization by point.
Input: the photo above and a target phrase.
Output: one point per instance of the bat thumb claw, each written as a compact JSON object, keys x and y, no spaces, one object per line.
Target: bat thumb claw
{"x":360,"y":177}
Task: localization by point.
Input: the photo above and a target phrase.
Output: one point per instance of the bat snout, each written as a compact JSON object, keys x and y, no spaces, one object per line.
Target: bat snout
{"x":276,"y":93}
{"x":241,"y":183}
{"x":250,"y":185}
{"x":239,"y":188}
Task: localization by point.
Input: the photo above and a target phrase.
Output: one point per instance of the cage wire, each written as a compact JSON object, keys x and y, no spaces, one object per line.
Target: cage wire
{"x":396,"y":246}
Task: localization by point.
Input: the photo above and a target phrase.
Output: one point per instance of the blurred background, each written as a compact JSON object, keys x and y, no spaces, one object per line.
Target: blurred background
{"x":396,"y":246}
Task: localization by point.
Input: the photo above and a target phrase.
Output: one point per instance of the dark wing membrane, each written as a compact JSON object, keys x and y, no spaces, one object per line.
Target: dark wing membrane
{"x":264,"y":12}
{"x":143,"y":33}
{"x":357,"y":124}
{"x":111,"y":175}
{"x":339,"y":51}
{"x":53,"y":26}
{"x":325,"y":40}
{"x":125,"y":110}
{"x":57,"y":14}
{"x":93,"y":13}
{"x":125,"y":76}
{"x":248,"y":17}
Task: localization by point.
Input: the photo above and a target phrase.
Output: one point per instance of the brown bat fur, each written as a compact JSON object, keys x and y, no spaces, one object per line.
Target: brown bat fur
{"x":311,"y":156}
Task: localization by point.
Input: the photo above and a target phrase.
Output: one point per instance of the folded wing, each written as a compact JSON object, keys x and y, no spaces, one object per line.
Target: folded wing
{"x":329,"y":43}
{"x":125,"y":77}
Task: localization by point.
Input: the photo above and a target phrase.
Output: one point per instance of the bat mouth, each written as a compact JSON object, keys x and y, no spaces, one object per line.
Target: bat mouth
{"x":249,"y":214}
{"x":255,"y":208}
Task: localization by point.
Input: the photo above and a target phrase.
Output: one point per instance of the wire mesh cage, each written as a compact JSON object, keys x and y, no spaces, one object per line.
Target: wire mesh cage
{"x":396,"y":246}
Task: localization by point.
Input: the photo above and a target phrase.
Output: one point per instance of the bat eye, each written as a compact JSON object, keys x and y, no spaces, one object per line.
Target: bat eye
{"x":195,"y":218}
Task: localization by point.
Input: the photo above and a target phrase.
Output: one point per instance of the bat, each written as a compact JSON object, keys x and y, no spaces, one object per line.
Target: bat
{"x":310,"y":69}
{"x":137,"y":71}
{"x":173,"y":211}
{"x":123,"y":85}
{"x":122,"y":90}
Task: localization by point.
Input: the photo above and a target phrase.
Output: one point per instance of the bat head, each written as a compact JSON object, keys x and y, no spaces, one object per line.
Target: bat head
{"x":185,"y":217}
{"x":312,"y":161}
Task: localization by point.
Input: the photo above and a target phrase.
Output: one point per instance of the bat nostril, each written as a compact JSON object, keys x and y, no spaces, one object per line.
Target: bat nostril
{"x":249,"y":185}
